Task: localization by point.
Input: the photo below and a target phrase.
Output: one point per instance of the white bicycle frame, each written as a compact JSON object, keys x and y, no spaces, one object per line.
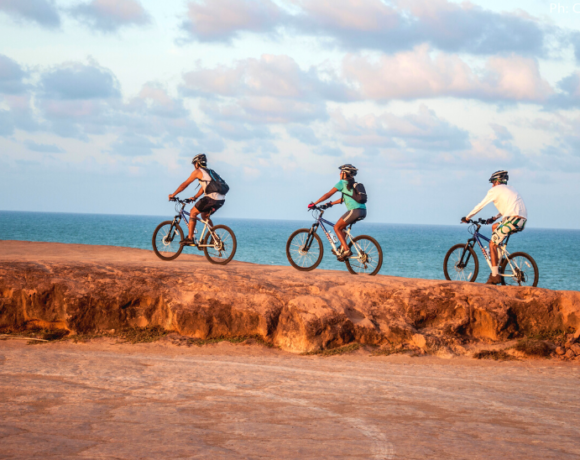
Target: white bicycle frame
{"x":206,"y":226}
{"x":503,"y":253}
{"x":329,"y":236}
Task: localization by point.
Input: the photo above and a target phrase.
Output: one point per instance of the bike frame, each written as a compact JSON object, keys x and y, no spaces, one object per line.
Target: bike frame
{"x":503,"y":252}
{"x":183,"y":214}
{"x":320,"y":223}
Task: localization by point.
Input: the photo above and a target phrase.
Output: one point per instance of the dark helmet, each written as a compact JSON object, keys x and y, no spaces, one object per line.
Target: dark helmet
{"x":499,"y":176}
{"x":200,"y":158}
{"x":348,"y":169}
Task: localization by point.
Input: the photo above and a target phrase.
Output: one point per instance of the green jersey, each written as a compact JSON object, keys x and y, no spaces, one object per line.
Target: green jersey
{"x":348,"y":200}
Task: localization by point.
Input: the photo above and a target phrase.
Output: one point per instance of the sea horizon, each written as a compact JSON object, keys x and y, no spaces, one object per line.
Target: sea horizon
{"x":171,"y":215}
{"x":410,"y":250}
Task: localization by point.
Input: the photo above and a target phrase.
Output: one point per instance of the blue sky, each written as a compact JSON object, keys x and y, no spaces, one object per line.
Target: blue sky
{"x":104,"y":102}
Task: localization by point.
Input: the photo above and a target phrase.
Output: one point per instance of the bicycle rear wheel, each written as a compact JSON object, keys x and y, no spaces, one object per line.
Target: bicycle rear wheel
{"x":220,"y":250}
{"x":167,"y":239}
{"x":458,"y":266}
{"x":522,"y":271}
{"x":370,"y":259}
{"x":304,"y":250}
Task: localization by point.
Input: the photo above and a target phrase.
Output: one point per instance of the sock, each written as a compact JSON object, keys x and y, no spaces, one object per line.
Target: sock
{"x":494,"y":271}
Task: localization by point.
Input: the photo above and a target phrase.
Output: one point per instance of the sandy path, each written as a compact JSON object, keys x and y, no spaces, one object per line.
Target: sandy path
{"x":104,"y":400}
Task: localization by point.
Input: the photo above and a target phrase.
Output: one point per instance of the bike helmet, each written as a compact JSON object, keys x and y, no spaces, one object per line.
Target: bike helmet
{"x":499,"y":176}
{"x":200,"y":158}
{"x":349,"y":169}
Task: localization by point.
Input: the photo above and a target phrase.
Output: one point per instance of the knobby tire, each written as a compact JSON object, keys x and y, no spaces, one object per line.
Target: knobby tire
{"x":505,"y":266}
{"x":176,"y":243}
{"x":352,"y":266}
{"x":230,"y":242}
{"x":293,"y":246}
{"x":447,"y":270}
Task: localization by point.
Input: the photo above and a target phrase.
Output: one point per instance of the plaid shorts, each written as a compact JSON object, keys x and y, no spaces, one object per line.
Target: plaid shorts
{"x":507,"y":226}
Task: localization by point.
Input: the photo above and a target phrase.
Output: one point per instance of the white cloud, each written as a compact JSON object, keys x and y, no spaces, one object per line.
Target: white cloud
{"x":11,"y":76}
{"x":420,"y":74}
{"x":421,"y":131}
{"x":222,"y":20}
{"x":111,"y":15}
{"x":376,"y":25}
{"x":43,"y":12}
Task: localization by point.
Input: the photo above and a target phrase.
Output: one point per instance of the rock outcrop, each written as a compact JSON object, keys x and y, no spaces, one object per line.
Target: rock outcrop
{"x":85,"y":289}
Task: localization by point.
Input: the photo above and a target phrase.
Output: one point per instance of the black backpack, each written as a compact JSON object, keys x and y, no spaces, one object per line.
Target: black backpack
{"x":216,"y":184}
{"x":359,"y":194}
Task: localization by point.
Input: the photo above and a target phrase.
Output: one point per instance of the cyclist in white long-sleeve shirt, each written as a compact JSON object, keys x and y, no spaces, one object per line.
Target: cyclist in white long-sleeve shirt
{"x":511,"y":207}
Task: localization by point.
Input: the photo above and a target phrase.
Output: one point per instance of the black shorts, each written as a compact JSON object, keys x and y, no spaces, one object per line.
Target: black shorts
{"x":352,"y":216}
{"x":207,"y":204}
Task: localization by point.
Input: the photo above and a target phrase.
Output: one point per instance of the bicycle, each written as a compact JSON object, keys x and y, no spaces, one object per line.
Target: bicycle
{"x":305,"y":246}
{"x":219,"y":244}
{"x":517,"y":269}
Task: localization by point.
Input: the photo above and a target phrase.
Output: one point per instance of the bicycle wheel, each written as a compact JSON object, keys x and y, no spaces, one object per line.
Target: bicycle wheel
{"x":223,"y":249}
{"x":457,"y":270}
{"x":167,"y":239}
{"x":522,"y":271}
{"x":304,"y":251}
{"x":370,"y":259}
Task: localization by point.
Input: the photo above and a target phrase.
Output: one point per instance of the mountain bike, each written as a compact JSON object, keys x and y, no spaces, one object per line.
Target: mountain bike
{"x":461,"y":263}
{"x":218,"y":244}
{"x":304,"y":247}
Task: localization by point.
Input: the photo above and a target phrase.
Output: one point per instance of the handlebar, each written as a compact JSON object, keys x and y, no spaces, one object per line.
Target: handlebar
{"x":478,"y":221}
{"x":321,"y":207}
{"x":186,"y":201}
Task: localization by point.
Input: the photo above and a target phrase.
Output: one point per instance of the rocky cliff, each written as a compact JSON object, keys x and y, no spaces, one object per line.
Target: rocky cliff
{"x":85,"y":289}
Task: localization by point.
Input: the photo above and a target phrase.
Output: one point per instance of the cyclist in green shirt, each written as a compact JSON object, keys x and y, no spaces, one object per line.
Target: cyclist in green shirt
{"x":356,"y":211}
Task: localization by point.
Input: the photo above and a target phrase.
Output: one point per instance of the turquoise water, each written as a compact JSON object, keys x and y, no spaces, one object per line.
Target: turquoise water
{"x":413,"y":251}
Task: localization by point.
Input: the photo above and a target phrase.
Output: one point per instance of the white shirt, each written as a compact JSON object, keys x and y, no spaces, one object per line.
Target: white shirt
{"x":507,"y":201}
{"x":205,"y":181}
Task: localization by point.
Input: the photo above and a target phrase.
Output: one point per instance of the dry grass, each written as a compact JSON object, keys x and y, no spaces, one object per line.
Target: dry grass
{"x":35,"y":336}
{"x":537,"y":348}
{"x":83,"y":338}
{"x":552,"y":336}
{"x":143,"y":334}
{"x":497,"y":355}
{"x":251,"y":339}
{"x":335,"y":351}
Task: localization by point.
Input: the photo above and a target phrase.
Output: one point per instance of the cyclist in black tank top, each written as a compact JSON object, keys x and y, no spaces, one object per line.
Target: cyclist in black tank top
{"x":208,"y":204}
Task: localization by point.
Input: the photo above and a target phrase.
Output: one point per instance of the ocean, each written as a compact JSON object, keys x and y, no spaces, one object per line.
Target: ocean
{"x":410,"y":251}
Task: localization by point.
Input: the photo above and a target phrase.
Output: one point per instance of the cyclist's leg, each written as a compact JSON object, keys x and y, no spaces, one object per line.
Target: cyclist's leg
{"x":192,"y":221}
{"x":210,"y":209}
{"x":493,"y":248}
{"x":500,"y":233}
{"x":199,"y":208}
{"x":349,"y":218}
{"x":339,"y":228}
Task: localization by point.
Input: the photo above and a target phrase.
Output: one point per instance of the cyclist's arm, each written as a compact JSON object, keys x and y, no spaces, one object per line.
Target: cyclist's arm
{"x":336,"y":202}
{"x":198,"y":194}
{"x":326,"y":196}
{"x":190,"y":179}
{"x":488,"y":199}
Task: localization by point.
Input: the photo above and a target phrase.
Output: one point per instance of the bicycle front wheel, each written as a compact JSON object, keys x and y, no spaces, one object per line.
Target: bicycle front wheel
{"x":221,"y":249}
{"x":461,"y":264}
{"x":167,"y":239}
{"x":304,"y":250}
{"x":367,"y":256}
{"x":519,"y":269}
